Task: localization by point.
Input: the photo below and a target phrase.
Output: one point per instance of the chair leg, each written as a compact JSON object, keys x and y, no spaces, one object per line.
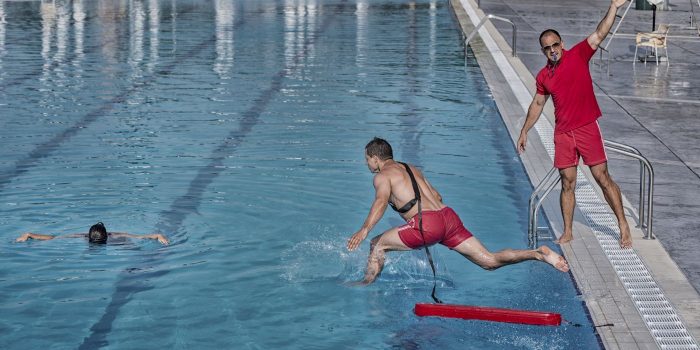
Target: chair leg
{"x":646,"y":55}
{"x":668,"y":62}
{"x":656,"y":55}
{"x":636,"y":48}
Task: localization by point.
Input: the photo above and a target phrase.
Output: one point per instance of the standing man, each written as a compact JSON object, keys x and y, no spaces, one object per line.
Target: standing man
{"x":567,"y":79}
{"x":429,"y":221}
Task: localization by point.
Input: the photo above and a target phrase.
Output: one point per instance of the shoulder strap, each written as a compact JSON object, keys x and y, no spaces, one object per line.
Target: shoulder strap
{"x":416,"y":190}
{"x":414,"y":183}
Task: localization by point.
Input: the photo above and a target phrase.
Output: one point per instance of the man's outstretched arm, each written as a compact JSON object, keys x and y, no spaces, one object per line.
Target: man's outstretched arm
{"x":605,"y":24}
{"x":533,"y":114}
{"x":382,"y":186}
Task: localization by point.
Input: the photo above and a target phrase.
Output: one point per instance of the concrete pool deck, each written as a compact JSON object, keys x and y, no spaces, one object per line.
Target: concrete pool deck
{"x":653,"y":108}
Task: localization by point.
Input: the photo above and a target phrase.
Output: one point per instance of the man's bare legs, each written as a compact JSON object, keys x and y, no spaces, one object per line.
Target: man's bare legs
{"x":567,"y":200}
{"x":612,"y":195}
{"x":473,"y":250}
{"x":387,"y":241}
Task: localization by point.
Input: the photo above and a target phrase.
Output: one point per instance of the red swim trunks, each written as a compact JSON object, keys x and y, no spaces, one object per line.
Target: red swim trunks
{"x":585,"y":142}
{"x":439,"y":226}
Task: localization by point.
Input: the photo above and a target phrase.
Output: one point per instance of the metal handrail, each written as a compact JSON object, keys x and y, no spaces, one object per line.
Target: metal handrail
{"x":534,"y":204}
{"x":645,"y":221}
{"x":646,"y":193}
{"x":483,"y":21}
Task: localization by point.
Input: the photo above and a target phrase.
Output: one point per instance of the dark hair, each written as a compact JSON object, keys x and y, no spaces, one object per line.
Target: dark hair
{"x":97,"y":233}
{"x":380,"y":148}
{"x":549,"y":31}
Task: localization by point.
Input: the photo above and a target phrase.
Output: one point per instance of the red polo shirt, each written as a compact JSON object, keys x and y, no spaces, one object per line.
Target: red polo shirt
{"x":571,"y":87}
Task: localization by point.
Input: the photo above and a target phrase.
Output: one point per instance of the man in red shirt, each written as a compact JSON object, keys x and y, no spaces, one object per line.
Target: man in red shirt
{"x":567,"y":79}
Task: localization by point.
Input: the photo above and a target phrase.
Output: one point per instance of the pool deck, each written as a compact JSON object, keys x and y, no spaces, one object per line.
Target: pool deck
{"x":651,"y":107}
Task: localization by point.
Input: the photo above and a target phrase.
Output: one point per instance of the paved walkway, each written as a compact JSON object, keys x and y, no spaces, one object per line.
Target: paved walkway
{"x":653,"y":108}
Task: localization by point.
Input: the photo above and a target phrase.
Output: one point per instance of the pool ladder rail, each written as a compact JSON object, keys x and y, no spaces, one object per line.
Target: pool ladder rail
{"x":646,"y":195}
{"x":466,"y":38}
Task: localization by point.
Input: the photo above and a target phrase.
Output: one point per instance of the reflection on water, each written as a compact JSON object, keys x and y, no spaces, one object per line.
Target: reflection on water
{"x":2,"y":39}
{"x":110,"y":14}
{"x":361,"y":14}
{"x":300,"y":19}
{"x":79,"y":24}
{"x":224,"y":38}
{"x":154,"y":26}
{"x":137,"y":25}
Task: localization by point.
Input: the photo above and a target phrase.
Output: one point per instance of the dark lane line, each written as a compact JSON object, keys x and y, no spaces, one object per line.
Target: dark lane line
{"x":134,"y":280}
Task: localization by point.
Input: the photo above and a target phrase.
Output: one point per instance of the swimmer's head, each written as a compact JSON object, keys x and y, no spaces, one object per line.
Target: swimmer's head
{"x":97,"y":233}
{"x":375,"y":151}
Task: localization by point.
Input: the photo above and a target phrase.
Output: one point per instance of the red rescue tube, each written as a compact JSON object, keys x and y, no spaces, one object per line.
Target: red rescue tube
{"x":489,"y":314}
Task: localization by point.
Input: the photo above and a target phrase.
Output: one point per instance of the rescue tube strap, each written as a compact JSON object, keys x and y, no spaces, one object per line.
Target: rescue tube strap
{"x":416,"y":192}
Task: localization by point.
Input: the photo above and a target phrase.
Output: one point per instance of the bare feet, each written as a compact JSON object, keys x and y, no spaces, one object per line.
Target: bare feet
{"x":553,"y":258}
{"x":565,"y":238}
{"x":625,"y":237}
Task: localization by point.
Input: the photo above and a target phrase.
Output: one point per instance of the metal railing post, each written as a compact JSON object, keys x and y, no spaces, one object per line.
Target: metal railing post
{"x":487,"y":18}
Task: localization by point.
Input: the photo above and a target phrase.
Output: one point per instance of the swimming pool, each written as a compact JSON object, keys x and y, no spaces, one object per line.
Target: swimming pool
{"x":237,"y":128}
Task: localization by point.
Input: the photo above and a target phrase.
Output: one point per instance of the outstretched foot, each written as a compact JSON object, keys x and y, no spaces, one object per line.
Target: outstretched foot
{"x":565,"y":238}
{"x":553,"y":259}
{"x":625,"y":237}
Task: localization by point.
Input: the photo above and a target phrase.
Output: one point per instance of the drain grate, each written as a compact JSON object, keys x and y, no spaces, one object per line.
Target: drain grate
{"x":659,"y":315}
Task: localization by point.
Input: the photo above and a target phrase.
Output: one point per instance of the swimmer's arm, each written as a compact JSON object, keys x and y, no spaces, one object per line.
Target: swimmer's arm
{"x":382,"y":187}
{"x":29,"y":235}
{"x":533,"y":114}
{"x":41,"y":237}
{"x":161,"y":238}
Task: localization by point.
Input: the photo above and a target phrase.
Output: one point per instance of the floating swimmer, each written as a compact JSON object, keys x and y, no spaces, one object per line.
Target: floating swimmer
{"x":429,"y":220}
{"x":97,"y":234}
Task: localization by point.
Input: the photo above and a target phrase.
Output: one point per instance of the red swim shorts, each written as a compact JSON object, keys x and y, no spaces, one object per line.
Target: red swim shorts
{"x":439,"y":226}
{"x":585,"y":142}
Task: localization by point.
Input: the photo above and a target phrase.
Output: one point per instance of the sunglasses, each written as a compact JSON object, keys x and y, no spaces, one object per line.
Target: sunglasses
{"x":548,"y":49}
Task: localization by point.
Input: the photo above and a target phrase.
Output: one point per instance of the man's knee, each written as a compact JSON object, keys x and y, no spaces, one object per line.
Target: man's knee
{"x":488,"y":262}
{"x":376,"y":244}
{"x":568,"y":179}
{"x":568,"y":185}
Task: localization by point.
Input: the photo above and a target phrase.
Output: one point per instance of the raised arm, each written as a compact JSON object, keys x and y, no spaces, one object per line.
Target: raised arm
{"x":161,"y":238}
{"x":382,"y":187}
{"x":533,"y":114}
{"x":605,"y":24}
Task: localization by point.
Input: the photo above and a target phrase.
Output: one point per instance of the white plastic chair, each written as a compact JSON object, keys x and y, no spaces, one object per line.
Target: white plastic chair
{"x":654,"y":40}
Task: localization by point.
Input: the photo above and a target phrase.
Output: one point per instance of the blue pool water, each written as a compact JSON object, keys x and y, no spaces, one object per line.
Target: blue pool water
{"x":237,"y":129}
